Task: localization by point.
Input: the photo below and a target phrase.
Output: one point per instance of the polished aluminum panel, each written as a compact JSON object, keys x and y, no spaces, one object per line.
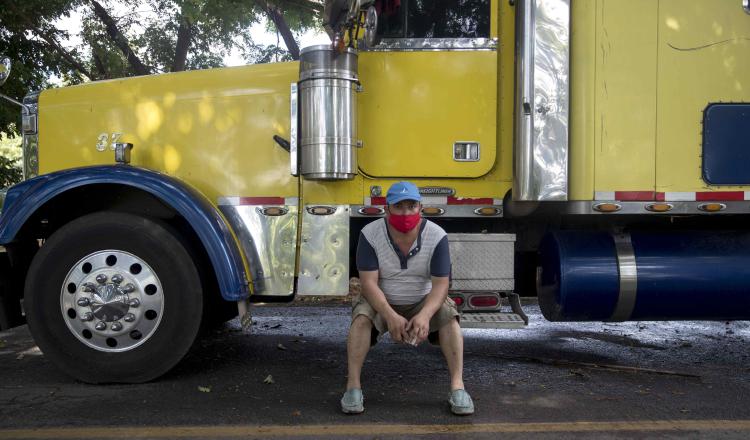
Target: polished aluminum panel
{"x":324,"y":252}
{"x":628,"y":273}
{"x":431,"y":44}
{"x":30,"y":128}
{"x":328,"y":129}
{"x":542,"y":100}
{"x":269,"y":244}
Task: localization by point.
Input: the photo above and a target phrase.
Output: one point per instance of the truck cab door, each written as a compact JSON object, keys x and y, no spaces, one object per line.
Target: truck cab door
{"x":429,"y":105}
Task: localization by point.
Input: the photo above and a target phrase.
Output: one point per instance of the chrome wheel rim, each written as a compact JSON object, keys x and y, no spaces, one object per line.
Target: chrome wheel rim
{"x":112,"y":301}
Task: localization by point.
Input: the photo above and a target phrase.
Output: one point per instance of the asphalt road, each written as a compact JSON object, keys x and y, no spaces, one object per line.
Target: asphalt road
{"x":285,"y":378}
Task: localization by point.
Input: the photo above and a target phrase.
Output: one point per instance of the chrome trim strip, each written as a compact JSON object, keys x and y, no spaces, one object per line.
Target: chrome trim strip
{"x":454,"y":211}
{"x":542,"y":100}
{"x":628,"y":270}
{"x":294,"y":121}
{"x":640,"y":208}
{"x":431,"y":44}
{"x":30,"y":122}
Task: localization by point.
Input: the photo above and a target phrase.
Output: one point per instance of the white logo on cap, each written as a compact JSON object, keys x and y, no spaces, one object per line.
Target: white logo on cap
{"x":403,"y":190}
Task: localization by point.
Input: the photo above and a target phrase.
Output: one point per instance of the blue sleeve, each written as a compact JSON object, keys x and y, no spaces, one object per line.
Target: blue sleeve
{"x":440,"y":265}
{"x":367,"y":259}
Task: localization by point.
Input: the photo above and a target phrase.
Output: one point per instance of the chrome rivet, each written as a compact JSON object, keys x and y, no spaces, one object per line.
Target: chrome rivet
{"x":116,"y":326}
{"x":101,"y":325}
{"x":117,"y":278}
{"x":101,"y":278}
{"x":84,"y":302}
{"x":88,"y":316}
{"x":128,"y":288}
{"x":89,"y":287}
{"x":135,"y":302}
{"x":129,"y":317}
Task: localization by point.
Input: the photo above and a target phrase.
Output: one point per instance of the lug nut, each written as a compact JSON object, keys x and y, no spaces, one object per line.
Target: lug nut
{"x":88,"y":316}
{"x":84,"y":302}
{"x":128,"y":288}
{"x":89,"y":287}
{"x":135,"y":302}
{"x":117,"y":278}
{"x":129,"y":317}
{"x":101,"y":278}
{"x":101,"y":325}
{"x":116,"y":326}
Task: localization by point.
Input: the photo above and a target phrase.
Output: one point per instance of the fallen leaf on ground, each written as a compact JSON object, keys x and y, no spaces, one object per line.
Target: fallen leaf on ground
{"x":281,"y":346}
{"x":296,"y":413}
{"x":204,"y":389}
{"x":268,"y":379}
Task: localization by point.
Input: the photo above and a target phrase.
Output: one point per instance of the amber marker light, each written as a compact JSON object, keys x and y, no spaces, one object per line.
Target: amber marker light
{"x":274,"y":211}
{"x":371,"y":210}
{"x":321,"y":210}
{"x":607,"y":207}
{"x":712,"y":207}
{"x":487,"y":210}
{"x":659,"y":207}
{"x":432,"y":211}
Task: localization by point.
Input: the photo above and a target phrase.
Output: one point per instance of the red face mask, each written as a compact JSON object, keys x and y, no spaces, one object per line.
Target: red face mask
{"x":404,"y":223}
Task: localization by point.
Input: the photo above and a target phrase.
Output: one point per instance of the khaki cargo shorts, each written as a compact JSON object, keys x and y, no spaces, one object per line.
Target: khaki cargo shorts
{"x":448,"y":311}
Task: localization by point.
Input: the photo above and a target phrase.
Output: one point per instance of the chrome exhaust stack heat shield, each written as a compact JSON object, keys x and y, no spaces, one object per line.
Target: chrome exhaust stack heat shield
{"x":540,"y":166}
{"x":328,"y":88}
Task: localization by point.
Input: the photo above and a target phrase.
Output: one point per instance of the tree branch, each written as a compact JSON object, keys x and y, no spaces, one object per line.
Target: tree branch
{"x":274,"y":13}
{"x":119,"y":39}
{"x":50,"y":40}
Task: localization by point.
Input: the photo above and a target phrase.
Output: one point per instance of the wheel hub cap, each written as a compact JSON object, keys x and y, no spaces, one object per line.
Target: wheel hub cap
{"x":112,"y":300}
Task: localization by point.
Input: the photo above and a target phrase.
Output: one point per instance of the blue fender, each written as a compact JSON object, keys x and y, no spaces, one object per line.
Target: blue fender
{"x":24,"y":199}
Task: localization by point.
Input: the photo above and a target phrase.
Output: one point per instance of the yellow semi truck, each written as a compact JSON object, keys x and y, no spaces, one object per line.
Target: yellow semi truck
{"x":591,"y":152}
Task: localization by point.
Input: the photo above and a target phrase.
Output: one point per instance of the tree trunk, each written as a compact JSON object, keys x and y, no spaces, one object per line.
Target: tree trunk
{"x":184,"y":34}
{"x":119,"y":39}
{"x":277,"y":17}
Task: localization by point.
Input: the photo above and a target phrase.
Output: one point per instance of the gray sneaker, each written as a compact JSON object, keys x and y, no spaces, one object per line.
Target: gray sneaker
{"x":461,"y":403}
{"x":352,"y":402}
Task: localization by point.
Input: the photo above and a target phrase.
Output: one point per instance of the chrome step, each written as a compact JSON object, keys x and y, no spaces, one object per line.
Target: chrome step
{"x":492,"y":320}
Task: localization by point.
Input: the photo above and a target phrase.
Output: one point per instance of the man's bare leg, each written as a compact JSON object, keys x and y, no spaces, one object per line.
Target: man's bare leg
{"x":452,"y":344}
{"x":357,"y":346}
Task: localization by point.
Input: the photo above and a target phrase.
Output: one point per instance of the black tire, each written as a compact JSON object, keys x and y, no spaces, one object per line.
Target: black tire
{"x":181,"y":299}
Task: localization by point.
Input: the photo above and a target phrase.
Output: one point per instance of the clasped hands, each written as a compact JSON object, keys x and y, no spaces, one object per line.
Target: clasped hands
{"x":413,"y":331}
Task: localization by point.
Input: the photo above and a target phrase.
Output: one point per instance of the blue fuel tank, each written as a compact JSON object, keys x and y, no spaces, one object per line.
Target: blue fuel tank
{"x":644,"y":276}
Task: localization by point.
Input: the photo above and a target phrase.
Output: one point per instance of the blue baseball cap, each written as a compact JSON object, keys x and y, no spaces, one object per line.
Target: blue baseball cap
{"x":402,"y":191}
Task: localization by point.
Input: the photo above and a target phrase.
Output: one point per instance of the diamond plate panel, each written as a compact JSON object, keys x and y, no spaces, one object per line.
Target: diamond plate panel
{"x":482,"y":261}
{"x":491,"y":320}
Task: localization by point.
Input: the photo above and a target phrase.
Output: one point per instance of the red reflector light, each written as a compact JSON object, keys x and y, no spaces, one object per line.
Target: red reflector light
{"x":484,"y":301}
{"x":458,"y":300}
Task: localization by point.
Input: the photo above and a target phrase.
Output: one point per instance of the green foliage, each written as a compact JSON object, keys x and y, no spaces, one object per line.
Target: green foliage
{"x":10,"y":160}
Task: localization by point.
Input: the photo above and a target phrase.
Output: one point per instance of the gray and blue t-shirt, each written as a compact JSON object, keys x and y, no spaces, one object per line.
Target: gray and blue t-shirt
{"x":405,"y":279}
